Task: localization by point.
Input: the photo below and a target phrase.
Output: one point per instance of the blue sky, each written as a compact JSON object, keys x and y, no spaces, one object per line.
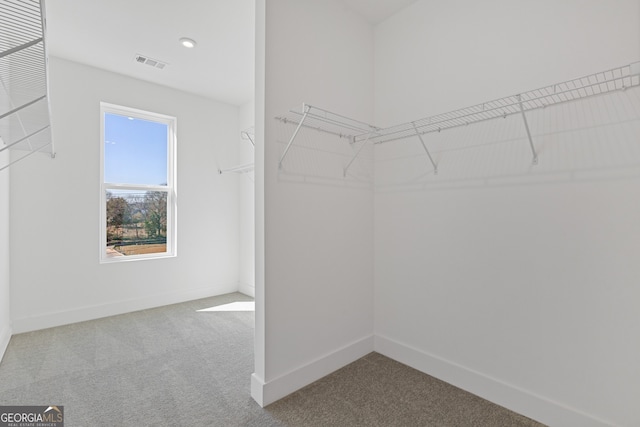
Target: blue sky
{"x":135,"y":151}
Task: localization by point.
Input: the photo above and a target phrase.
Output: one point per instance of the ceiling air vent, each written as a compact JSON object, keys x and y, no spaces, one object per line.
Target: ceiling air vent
{"x":150,"y":61}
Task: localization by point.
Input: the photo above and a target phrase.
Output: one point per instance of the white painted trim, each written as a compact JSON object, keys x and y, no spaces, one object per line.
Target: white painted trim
{"x":49,"y":320}
{"x":257,"y":388}
{"x":512,"y":397}
{"x":247,"y":289}
{"x":276,"y":389}
{"x":170,"y":188}
{"x":5,"y":336}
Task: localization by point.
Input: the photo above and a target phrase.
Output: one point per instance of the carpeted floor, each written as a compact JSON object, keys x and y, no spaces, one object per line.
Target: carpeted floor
{"x":178,"y":366}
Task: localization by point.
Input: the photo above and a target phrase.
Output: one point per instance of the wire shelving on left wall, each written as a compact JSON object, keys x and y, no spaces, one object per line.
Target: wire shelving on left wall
{"x":25,"y":124}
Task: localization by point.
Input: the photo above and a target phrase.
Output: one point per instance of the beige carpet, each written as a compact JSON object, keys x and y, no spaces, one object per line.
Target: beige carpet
{"x":180,"y":366}
{"x":378,"y":391}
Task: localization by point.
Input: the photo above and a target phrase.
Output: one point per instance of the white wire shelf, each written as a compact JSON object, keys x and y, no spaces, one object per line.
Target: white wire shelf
{"x":311,"y":117}
{"x":620,"y":78}
{"x":617,"y":79}
{"x":248,"y":135}
{"x":24,"y":106}
{"x":325,"y":121}
{"x":238,"y":169}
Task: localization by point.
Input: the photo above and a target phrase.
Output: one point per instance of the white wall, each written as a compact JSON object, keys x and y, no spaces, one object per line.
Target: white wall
{"x":515,"y":282}
{"x":314,"y":301}
{"x":247,"y":205}
{"x":5,"y":315}
{"x":55,"y":274}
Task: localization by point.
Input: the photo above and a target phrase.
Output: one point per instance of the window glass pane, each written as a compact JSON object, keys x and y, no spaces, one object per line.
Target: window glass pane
{"x":136,"y":222}
{"x":135,"y":150}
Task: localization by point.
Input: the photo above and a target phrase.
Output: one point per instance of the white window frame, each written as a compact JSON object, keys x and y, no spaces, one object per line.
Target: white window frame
{"x":170,"y":188}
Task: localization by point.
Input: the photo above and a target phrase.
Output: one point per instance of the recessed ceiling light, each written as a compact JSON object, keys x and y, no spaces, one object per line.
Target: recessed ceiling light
{"x":187,"y":42}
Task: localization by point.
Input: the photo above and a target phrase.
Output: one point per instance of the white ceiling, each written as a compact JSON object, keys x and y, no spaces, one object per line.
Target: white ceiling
{"x":109,"y":33}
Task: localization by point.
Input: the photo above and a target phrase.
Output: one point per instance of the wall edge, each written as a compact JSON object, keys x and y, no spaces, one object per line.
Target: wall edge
{"x":92,"y":312}
{"x":268,"y":392}
{"x":5,"y":337}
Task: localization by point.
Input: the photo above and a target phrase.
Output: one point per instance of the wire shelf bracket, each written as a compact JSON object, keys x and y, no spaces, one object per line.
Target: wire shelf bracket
{"x":526,"y":127}
{"x":305,"y":108}
{"x":249,"y":135}
{"x":601,"y":83}
{"x":617,"y":79}
{"x":435,"y":166}
{"x":247,"y":167}
{"x":355,"y":156}
{"x":322,"y":120}
{"x":238,"y":169}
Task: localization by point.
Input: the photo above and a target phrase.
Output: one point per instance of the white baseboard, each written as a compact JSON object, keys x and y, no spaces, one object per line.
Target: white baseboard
{"x":257,"y":388}
{"x":5,"y":336}
{"x":509,"y":396}
{"x":247,"y":289}
{"x":81,"y":314}
{"x":276,"y":389}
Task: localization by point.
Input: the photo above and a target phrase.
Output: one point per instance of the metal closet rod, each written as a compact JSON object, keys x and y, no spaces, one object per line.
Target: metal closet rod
{"x":24,"y":138}
{"x":603,"y":82}
{"x":346,"y":127}
{"x":23,"y":106}
{"x":317,"y":118}
{"x":21,"y":47}
{"x":27,"y":155}
{"x":500,"y":108}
